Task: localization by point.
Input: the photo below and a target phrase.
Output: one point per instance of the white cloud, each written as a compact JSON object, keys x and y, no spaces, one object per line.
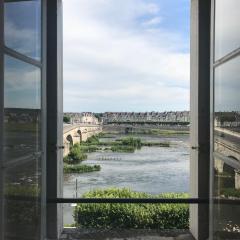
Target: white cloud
{"x":113,"y":61}
{"x":153,"y":21}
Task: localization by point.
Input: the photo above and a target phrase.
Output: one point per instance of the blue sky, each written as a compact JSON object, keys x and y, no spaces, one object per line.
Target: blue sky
{"x":126,"y":55}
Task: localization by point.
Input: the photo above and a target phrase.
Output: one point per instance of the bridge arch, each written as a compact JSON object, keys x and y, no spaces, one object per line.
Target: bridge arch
{"x":229,"y":180}
{"x":70,"y":139}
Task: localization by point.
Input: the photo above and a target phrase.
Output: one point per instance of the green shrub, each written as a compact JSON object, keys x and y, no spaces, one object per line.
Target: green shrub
{"x":93,"y":140}
{"x":76,"y":155}
{"x":142,"y":216}
{"x":81,"y":168}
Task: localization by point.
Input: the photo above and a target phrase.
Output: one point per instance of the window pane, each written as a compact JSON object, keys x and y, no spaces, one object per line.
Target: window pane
{"x":22,"y":25}
{"x":22,"y":148}
{"x":227,"y":109}
{"x":22,"y":202}
{"x":22,"y":100}
{"x":227,"y":186}
{"x":227,"y":25}
{"x":227,"y":150}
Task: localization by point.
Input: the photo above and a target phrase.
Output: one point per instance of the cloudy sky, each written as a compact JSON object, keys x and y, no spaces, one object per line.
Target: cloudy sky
{"x":126,"y":55}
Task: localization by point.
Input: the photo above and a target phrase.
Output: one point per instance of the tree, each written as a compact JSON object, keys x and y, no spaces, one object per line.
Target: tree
{"x":66,"y":119}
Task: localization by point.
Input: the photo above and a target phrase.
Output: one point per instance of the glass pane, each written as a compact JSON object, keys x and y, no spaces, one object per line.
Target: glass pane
{"x":227,"y":25}
{"x":22,"y":147}
{"x":22,"y":202}
{"x":22,"y":99}
{"x":227,"y":186}
{"x":227,"y":109}
{"x":227,"y":150}
{"x":22,"y":26}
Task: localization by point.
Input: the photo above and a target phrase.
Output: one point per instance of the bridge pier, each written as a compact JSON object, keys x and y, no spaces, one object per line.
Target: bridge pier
{"x":237,"y":179}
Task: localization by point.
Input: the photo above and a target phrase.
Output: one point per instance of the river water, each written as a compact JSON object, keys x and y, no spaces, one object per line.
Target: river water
{"x":150,"y":169}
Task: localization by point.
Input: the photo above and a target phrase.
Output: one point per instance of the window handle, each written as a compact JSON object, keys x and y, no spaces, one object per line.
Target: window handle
{"x":195,"y":148}
{"x":60,"y":147}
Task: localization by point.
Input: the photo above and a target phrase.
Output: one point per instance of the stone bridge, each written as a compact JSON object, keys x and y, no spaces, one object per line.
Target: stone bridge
{"x":77,"y":133}
{"x":227,"y":143}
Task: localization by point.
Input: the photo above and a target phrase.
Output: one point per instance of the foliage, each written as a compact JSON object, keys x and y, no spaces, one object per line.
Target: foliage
{"x":66,"y":119}
{"x":80,"y":168}
{"x":76,"y":155}
{"x":157,"y":144}
{"x":89,"y":148}
{"x":98,"y":116}
{"x":130,"y":141}
{"x":92,"y":140}
{"x":144,"y":216}
{"x":230,"y":192}
{"x":26,"y":190}
{"x":167,"y":132}
{"x":120,"y":148}
{"x":21,"y":203}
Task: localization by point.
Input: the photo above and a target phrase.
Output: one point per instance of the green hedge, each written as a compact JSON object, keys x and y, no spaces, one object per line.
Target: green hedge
{"x":142,"y":216}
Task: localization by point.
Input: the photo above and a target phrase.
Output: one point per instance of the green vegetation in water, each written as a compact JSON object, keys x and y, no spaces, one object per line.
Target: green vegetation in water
{"x":76,"y":155}
{"x":141,"y":216}
{"x":121,"y":148}
{"x":156,"y":144}
{"x":82,"y":168}
{"x":168,"y":132}
{"x":127,"y":144}
{"x":92,"y":140}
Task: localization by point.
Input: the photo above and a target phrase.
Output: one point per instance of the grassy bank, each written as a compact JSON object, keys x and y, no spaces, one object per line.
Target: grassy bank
{"x":82,"y":168}
{"x":142,"y":216}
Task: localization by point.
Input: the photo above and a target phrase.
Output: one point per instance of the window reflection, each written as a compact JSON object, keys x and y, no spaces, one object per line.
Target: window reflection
{"x":227,"y":109}
{"x":227,"y":150}
{"x":227,"y":25}
{"x":227,"y":186}
{"x":21,"y":109}
{"x":22,"y":27}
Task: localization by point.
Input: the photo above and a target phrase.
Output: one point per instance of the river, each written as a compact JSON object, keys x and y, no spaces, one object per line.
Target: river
{"x":150,"y":169}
